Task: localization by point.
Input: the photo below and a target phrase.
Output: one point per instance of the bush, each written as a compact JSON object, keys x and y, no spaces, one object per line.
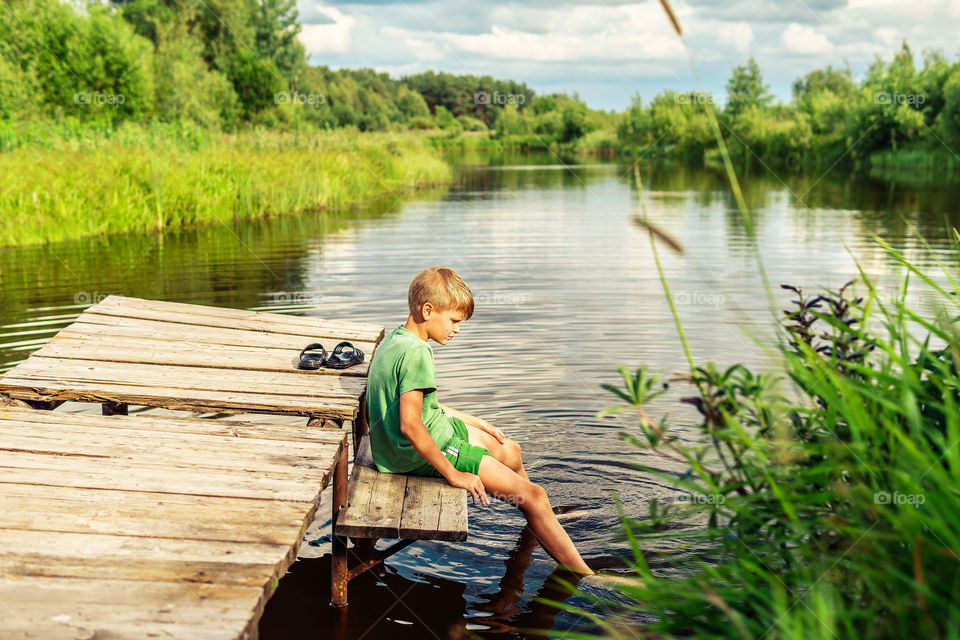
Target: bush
{"x":471,"y":124}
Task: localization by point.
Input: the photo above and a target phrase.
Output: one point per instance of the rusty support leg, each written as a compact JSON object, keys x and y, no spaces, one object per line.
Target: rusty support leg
{"x":379,"y":557}
{"x":114,"y":408}
{"x":338,"y":563}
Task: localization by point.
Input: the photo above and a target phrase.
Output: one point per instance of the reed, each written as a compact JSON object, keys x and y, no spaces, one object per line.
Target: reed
{"x":60,"y":185}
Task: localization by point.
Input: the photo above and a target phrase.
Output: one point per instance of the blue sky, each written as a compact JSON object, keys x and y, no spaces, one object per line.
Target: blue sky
{"x":610,"y":50}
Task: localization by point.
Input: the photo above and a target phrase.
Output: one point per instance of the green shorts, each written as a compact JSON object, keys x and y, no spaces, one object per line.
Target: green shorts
{"x":459,"y":451}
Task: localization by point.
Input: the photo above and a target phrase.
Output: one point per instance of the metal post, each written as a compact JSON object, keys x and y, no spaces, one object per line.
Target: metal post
{"x":338,"y":563}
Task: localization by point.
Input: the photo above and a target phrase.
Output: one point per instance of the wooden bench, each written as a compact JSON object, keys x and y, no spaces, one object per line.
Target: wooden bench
{"x":389,"y":505}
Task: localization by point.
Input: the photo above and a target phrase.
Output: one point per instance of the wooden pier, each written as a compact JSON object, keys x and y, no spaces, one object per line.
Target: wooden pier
{"x":132,"y":526}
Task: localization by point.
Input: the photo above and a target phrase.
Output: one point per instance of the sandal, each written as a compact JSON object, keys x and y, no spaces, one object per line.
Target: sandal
{"x":312,"y":360}
{"x":344,"y":355}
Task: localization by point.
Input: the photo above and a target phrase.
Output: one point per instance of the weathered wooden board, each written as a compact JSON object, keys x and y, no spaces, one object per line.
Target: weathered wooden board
{"x":208,"y":378}
{"x":166,"y":333}
{"x":72,"y":345}
{"x":45,"y":607}
{"x":179,"y":424}
{"x":150,"y":526}
{"x":390,"y":505}
{"x":230,"y":319}
{"x":194,"y":358}
{"x":176,"y":399}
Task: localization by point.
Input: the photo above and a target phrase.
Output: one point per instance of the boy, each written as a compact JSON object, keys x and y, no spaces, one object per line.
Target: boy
{"x":411,"y":432}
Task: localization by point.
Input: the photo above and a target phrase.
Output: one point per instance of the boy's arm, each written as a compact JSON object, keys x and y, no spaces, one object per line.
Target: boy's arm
{"x":413,"y":429}
{"x":474,"y":421}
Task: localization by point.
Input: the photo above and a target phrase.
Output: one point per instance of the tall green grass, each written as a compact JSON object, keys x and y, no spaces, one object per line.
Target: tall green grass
{"x":818,"y":502}
{"x":69,"y":182}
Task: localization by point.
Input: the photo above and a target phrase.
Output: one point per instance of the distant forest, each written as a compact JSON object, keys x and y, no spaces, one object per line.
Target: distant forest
{"x":227,"y":65}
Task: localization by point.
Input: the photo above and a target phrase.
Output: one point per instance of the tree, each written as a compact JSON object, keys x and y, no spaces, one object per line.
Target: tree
{"x":837,"y":81}
{"x":276,"y":26}
{"x":745,"y":88}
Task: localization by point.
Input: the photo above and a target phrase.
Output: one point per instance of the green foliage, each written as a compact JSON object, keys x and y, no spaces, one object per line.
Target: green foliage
{"x":223,"y":64}
{"x":187,"y":90}
{"x":896,"y":107}
{"x":480,"y":97}
{"x":745,"y":89}
{"x":827,"y":512}
{"x":446,"y":121}
{"x":471,"y":124}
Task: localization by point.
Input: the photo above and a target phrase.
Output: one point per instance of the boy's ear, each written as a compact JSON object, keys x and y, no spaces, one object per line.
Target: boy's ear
{"x":426,"y":309}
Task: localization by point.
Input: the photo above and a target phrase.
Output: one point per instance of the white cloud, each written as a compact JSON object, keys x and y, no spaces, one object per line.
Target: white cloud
{"x":739,"y":35}
{"x":805,"y":40}
{"x":632,"y":32}
{"x":328,"y":38}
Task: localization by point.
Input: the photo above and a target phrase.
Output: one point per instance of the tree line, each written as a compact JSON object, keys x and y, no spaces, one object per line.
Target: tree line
{"x":224,"y":65}
{"x":897,"y":110}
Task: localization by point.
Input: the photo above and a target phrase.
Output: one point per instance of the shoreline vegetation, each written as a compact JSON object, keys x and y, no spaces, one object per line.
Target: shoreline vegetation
{"x":147,"y":180}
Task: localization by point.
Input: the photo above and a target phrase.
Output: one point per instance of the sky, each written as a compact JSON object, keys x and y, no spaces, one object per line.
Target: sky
{"x":608,"y":51}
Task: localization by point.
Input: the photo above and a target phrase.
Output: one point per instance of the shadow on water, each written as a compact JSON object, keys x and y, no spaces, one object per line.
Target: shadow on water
{"x":385,"y":604}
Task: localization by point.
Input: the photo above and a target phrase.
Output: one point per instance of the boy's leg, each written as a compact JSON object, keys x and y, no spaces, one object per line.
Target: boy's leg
{"x":502,"y":482}
{"x":508,"y":453}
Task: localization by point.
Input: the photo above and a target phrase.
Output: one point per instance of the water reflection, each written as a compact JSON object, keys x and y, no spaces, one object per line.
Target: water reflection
{"x":385,"y":603}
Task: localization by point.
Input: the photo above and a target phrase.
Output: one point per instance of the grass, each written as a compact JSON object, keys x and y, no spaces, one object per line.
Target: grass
{"x":821,"y":501}
{"x":64,"y":182}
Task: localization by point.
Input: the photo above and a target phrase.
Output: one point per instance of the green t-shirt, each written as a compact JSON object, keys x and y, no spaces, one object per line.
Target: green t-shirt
{"x":402,"y":362}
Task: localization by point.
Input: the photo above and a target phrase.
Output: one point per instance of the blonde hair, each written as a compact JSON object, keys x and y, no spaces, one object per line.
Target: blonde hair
{"x":441,"y":287}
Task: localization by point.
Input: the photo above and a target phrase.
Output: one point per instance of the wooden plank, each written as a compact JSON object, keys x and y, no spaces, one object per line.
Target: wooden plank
{"x":209,"y":379}
{"x":453,"y":523}
{"x":28,"y":563}
{"x":79,"y":439}
{"x":72,"y":345}
{"x":171,"y":332}
{"x":433,"y":510}
{"x":140,"y":513}
{"x":131,"y":548}
{"x":177,"y":424}
{"x":262,"y":322}
{"x":310,"y":322}
{"x":421,"y":507}
{"x":101,"y":473}
{"x":54,"y":608}
{"x":71,"y":444}
{"x":374,"y":502}
{"x":177,"y":399}
{"x":430,"y":509}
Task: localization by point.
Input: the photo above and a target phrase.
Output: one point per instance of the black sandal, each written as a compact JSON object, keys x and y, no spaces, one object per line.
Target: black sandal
{"x":312,"y":360}
{"x":344,"y":355}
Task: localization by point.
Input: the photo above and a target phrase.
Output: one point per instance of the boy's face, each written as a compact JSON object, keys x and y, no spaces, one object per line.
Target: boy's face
{"x":441,"y":325}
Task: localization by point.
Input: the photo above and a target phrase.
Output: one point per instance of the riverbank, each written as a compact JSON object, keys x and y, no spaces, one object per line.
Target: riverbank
{"x":62,"y":185}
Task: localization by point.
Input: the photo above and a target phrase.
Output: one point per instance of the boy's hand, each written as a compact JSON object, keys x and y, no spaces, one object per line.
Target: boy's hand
{"x":470,"y":482}
{"x":492,"y":430}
